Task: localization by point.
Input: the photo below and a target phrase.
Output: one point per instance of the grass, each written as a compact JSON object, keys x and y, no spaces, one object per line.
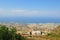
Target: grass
{"x":54,"y":35}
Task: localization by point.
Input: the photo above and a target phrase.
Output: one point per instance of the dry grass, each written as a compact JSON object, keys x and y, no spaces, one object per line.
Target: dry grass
{"x":54,"y":35}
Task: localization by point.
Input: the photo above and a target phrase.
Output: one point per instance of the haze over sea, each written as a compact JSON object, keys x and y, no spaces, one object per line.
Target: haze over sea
{"x":30,"y":20}
{"x":30,"y":11}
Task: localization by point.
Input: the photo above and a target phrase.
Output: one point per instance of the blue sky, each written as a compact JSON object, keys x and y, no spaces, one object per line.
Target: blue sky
{"x":30,"y":8}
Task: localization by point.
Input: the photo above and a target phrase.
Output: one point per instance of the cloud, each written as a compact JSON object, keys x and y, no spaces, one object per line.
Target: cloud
{"x":17,"y":11}
{"x":31,"y":13}
{"x":1,"y":10}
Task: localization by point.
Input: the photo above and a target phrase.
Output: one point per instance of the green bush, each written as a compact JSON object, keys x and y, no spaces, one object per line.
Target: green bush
{"x":9,"y":34}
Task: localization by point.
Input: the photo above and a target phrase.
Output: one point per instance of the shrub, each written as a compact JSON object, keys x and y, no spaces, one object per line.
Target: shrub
{"x":9,"y":34}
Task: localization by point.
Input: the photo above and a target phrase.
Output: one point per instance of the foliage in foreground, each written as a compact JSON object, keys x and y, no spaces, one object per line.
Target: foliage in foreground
{"x":55,"y":34}
{"x":9,"y":34}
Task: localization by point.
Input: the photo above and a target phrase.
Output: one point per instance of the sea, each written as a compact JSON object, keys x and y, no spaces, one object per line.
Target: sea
{"x":30,"y":19}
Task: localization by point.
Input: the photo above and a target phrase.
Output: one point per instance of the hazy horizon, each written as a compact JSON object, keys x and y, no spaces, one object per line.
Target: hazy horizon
{"x":30,"y":11}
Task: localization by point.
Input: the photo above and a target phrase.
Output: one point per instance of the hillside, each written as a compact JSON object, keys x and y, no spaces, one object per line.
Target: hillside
{"x":54,"y":35}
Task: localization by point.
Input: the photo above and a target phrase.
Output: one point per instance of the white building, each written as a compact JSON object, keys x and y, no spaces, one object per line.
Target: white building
{"x":36,"y":32}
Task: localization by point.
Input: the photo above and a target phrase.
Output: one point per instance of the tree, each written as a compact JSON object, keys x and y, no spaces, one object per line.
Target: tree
{"x":9,"y":34}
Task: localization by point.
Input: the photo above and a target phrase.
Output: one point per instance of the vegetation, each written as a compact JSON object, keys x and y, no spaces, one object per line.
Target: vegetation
{"x":9,"y":34}
{"x":54,"y":35}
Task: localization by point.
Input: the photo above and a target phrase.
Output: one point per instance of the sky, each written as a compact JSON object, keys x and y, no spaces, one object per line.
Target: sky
{"x":30,"y":8}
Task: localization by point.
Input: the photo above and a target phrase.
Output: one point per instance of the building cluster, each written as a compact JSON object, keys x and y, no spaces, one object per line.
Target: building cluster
{"x":33,"y":33}
{"x":32,"y":29}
